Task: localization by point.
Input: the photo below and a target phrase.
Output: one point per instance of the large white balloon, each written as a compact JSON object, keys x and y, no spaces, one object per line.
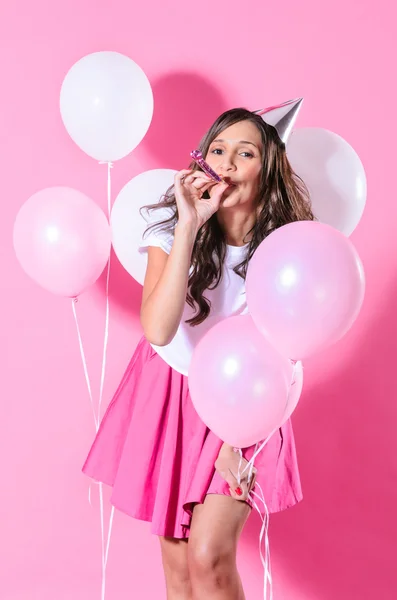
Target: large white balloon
{"x":334,"y":174}
{"x":106,"y":105}
{"x":126,"y":222}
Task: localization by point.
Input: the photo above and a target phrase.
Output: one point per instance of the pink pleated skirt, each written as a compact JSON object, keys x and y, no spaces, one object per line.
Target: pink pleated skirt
{"x":158,"y":456}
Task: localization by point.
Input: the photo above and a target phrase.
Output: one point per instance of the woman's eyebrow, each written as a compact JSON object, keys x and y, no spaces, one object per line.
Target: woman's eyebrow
{"x":238,"y":142}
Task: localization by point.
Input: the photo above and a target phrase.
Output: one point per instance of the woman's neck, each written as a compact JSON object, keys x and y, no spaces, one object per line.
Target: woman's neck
{"x":236,"y":223}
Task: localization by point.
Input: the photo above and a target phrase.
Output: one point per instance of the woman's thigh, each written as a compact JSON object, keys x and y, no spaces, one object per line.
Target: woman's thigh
{"x":215,"y":530}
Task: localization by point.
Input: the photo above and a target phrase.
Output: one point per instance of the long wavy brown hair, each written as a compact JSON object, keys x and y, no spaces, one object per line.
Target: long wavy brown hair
{"x":282,"y":198}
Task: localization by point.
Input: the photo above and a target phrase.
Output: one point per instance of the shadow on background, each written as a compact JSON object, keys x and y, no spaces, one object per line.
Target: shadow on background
{"x":123,"y":289}
{"x":185,"y":106}
{"x":341,"y":541}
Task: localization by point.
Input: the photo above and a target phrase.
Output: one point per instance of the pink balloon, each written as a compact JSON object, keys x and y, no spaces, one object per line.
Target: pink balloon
{"x":238,"y":382}
{"x":295,"y":392}
{"x":305,"y":287}
{"x":62,"y":240}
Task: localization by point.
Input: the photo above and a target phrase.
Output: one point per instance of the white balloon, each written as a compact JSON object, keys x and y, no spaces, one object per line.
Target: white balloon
{"x":333,"y":173}
{"x":126,"y":222}
{"x":106,"y":105}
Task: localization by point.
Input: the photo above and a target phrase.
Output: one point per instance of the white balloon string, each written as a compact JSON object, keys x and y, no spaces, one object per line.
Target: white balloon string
{"x":74,"y":302}
{"x":265,"y":521}
{"x":105,"y":342}
{"x":258,"y":450}
{"x":109,"y":534}
{"x":268,"y":582}
{"x":110,"y":166}
{"x":240,"y":472}
{"x":264,"y":559}
{"x":239,"y":466}
{"x":96,"y":422}
{"x":106,"y":334}
{"x":264,"y":535}
{"x":105,"y":550}
{"x":250,"y":463}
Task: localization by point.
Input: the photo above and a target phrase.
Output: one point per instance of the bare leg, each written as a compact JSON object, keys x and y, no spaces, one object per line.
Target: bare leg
{"x":174,"y":554}
{"x":215,"y":530}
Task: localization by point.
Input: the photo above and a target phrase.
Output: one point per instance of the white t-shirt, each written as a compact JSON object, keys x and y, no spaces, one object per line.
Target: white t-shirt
{"x":228,"y":299}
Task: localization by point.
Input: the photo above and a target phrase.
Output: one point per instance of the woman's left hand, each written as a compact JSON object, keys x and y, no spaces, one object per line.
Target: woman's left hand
{"x":227,"y":465}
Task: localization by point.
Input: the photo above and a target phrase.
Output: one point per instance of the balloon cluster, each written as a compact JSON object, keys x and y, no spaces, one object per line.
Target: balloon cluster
{"x":305,"y":287}
{"x":61,"y":237}
{"x":305,"y":282}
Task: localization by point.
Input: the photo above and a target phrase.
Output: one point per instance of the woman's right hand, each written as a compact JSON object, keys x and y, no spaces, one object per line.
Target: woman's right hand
{"x":193,"y":209}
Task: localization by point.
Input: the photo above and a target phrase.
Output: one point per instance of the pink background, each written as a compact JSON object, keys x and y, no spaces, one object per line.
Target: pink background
{"x":201,"y":59}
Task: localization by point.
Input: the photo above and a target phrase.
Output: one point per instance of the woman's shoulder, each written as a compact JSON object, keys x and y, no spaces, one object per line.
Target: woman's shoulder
{"x":159,"y":227}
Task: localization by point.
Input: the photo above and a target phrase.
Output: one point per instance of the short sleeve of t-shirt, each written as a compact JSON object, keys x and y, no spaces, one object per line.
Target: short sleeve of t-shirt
{"x":156,"y":236}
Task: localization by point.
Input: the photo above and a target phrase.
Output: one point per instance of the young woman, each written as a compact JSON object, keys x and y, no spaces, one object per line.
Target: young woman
{"x":164,"y":464}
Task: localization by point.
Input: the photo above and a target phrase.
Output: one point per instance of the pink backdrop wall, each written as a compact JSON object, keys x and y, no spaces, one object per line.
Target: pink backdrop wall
{"x":201,"y":59}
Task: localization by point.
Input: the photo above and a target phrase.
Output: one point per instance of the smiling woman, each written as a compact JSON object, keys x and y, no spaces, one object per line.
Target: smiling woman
{"x":239,"y":161}
{"x":200,"y":240}
{"x":265,"y":194}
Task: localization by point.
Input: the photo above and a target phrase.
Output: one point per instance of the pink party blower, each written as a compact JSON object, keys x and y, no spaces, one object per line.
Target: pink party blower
{"x":198,"y":158}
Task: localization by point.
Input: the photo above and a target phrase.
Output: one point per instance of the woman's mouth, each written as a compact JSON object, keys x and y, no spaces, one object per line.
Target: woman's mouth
{"x":229,"y":190}
{"x":229,"y":181}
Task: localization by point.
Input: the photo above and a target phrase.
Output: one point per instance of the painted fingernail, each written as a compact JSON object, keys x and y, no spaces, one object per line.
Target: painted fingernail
{"x":239,"y":491}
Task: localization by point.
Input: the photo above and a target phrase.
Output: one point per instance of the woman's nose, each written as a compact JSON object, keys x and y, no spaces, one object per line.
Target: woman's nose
{"x":226,"y":164}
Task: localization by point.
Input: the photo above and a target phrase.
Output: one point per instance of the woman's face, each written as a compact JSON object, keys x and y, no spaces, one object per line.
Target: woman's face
{"x":236,"y":155}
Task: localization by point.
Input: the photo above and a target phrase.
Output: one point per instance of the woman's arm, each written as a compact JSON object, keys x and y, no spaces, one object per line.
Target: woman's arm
{"x":166,"y":281}
{"x":165,"y":287}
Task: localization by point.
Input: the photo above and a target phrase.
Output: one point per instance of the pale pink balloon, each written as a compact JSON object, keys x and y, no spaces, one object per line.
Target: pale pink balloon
{"x":62,"y":240}
{"x":295,"y":392}
{"x":238,"y":382}
{"x":305,"y":287}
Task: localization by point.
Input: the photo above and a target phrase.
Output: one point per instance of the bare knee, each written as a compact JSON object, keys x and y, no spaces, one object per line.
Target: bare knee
{"x":174,"y":554}
{"x":212,"y":565}
{"x":178,"y":579}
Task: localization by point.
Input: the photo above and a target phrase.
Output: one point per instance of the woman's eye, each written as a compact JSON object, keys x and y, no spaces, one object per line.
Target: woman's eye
{"x":219,"y":151}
